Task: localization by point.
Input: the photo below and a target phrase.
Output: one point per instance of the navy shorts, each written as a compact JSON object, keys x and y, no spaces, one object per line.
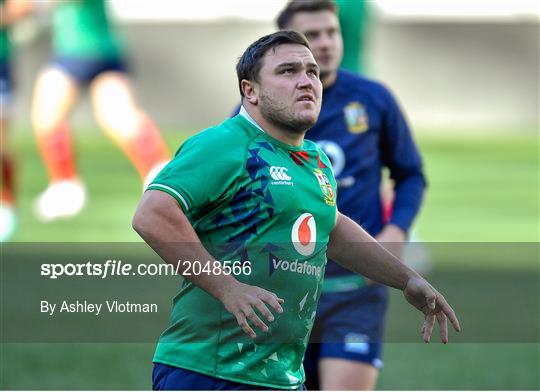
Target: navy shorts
{"x":84,"y":70}
{"x":170,"y":378}
{"x":6,"y":83}
{"x":348,"y":325}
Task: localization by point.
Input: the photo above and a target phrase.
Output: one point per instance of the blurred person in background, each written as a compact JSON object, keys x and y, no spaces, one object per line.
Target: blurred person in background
{"x":10,"y":12}
{"x":362,"y":130}
{"x":87,"y":53}
{"x":354,"y":19}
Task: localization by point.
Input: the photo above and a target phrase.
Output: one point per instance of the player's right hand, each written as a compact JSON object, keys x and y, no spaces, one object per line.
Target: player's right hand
{"x":244,"y":301}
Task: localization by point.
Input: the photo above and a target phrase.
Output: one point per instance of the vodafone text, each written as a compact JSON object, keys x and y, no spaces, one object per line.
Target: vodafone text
{"x":297,"y":267}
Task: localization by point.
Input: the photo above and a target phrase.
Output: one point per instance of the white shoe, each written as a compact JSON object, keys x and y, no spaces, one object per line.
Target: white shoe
{"x":61,"y":199}
{"x":8,"y":222}
{"x":154,"y":171}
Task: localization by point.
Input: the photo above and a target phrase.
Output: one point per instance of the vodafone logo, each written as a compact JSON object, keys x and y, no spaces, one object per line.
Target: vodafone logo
{"x":304,"y":234}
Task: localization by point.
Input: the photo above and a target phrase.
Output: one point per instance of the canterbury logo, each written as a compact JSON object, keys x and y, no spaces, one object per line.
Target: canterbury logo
{"x":279,"y":173}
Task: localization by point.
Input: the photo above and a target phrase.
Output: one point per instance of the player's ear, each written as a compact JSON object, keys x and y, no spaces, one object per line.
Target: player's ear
{"x":250,"y":91}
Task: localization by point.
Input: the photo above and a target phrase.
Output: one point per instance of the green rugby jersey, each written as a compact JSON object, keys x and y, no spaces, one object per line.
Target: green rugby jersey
{"x":250,"y":197}
{"x":82,"y":30}
{"x":5,"y":44}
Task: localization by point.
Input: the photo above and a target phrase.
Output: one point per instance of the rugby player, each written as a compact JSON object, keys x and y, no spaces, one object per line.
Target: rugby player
{"x":253,"y":191}
{"x":87,"y":53}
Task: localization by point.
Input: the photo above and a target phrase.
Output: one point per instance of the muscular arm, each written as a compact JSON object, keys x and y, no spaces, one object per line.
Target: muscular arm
{"x":356,"y":250}
{"x":159,"y":220}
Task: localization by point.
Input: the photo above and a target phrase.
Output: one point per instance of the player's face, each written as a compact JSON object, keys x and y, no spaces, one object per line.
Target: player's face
{"x":322,"y":30}
{"x":290,"y":91}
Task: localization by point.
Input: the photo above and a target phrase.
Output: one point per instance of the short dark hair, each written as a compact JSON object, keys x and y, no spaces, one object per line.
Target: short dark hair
{"x":250,"y":63}
{"x":295,"y":6}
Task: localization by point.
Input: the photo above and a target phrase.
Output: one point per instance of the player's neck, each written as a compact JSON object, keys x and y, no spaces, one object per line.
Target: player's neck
{"x":328,"y":79}
{"x":285,"y":136}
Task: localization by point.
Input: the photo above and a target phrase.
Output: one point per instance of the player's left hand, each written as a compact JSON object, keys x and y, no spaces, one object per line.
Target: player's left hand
{"x":429,"y":301}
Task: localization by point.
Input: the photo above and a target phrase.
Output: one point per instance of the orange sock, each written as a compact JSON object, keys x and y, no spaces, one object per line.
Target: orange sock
{"x":146,"y":149}
{"x":57,"y":153}
{"x":7,"y":190}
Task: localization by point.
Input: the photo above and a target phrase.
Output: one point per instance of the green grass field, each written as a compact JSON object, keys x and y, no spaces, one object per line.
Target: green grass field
{"x":481,"y":190}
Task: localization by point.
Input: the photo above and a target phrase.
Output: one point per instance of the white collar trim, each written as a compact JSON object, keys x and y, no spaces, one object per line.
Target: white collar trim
{"x":243,"y":112}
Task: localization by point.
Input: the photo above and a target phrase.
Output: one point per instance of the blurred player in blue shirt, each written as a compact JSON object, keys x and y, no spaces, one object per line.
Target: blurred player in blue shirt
{"x":362,"y":130}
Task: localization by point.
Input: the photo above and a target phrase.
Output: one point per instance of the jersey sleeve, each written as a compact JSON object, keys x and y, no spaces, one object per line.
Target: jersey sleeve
{"x":401,"y":156}
{"x":202,"y":171}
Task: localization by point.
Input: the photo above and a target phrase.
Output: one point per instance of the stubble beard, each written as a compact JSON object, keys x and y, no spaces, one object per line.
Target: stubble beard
{"x":282,"y":116}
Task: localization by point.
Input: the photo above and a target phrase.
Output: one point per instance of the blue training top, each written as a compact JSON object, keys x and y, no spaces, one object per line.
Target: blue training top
{"x":361,"y":129}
